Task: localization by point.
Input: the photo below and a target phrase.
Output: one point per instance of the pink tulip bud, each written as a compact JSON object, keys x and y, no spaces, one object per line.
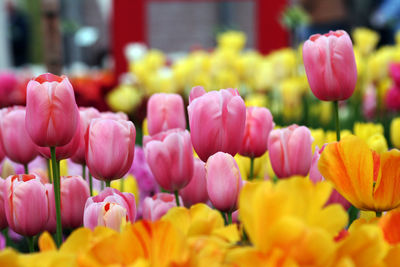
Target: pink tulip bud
{"x":86,"y":115}
{"x":114,"y":115}
{"x":290,"y":151}
{"x":217,"y":122}
{"x":26,"y":204}
{"x":158,"y":205}
{"x":16,"y":142}
{"x":110,"y":208}
{"x":223,"y":181}
{"x":170,"y":158}
{"x":110,"y":146}
{"x":330,"y":65}
{"x":392,"y":99}
{"x":3,"y":220}
{"x":74,"y":193}
{"x":52,"y":115}
{"x":165,"y":112}
{"x":196,"y":190}
{"x":259,"y":124}
{"x":196,"y":92}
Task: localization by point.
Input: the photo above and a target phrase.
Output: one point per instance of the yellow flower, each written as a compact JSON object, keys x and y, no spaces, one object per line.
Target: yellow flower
{"x":124,"y":98}
{"x":377,"y":142}
{"x":366,"y":130}
{"x":9,"y":258}
{"x":395,"y":132}
{"x":365,"y":40}
{"x":144,"y":127}
{"x":319,"y":138}
{"x":330,"y":136}
{"x":262,"y":167}
{"x":129,"y":185}
{"x":233,"y":40}
{"x":256,"y":100}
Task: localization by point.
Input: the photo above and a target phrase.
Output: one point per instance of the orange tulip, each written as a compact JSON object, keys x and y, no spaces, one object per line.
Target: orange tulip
{"x":389,"y":224}
{"x":368,"y":180}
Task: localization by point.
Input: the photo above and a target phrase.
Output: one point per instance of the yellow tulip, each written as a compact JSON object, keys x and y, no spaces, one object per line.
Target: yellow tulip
{"x":124,"y":98}
{"x":394,"y":132}
{"x":262,"y":167}
{"x":365,"y":40}
{"x":377,"y":142}
{"x":319,"y":138}
{"x":366,"y":130}
{"x":233,"y":40}
{"x":129,"y":185}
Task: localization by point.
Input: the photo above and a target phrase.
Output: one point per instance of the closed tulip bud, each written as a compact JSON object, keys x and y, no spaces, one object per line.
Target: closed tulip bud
{"x":196,"y":191}
{"x":86,"y":115}
{"x":223,"y":181}
{"x":158,"y":205}
{"x":290,"y":151}
{"x":110,"y":208}
{"x":259,"y":124}
{"x":52,"y":115}
{"x":26,"y":204}
{"x":165,"y":112}
{"x":3,"y":220}
{"x":170,"y":158}
{"x":330,"y":65}
{"x":16,"y":142}
{"x":217,"y":122}
{"x":395,"y":132}
{"x":110,"y":146}
{"x":114,"y":115}
{"x":74,"y":193}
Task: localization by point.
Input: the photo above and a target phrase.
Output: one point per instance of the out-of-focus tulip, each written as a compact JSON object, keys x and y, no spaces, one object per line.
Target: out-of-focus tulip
{"x":395,"y":132}
{"x":365,"y":40}
{"x":16,"y":142}
{"x":110,"y":208}
{"x":86,"y":115}
{"x":290,"y":151}
{"x":2,"y":242}
{"x":165,"y":112}
{"x":8,"y":86}
{"x":114,"y":115}
{"x":52,"y":115}
{"x":392,"y":99}
{"x":196,"y":190}
{"x":394,"y":71}
{"x":110,"y":146}
{"x":74,"y":193}
{"x":259,"y":124}
{"x":26,"y":204}
{"x":170,"y":158}
{"x":156,"y":206}
{"x":125,"y":98}
{"x":3,"y":220}
{"x":217,"y":122}
{"x":369,"y":102}
{"x":330,"y":65}
{"x":223,"y":181}
{"x":377,"y":142}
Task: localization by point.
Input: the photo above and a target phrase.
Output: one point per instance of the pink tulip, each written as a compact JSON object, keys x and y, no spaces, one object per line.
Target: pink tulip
{"x":16,"y":142}
{"x":369,"y":102}
{"x":392,"y":99}
{"x":196,"y":92}
{"x":86,"y":115}
{"x":26,"y":204}
{"x":196,"y":190}
{"x":290,"y":151}
{"x":165,"y":112}
{"x":158,"y":205}
{"x":114,"y":115}
{"x":2,"y":242}
{"x":8,"y":88}
{"x":110,"y":146}
{"x":223,"y":181}
{"x":52,"y":115}
{"x":170,"y":158}
{"x":259,"y":124}
{"x":217,"y":122}
{"x":52,"y":222}
{"x":316,"y":177}
{"x":3,"y":220}
{"x":330,"y":65}
{"x":394,"y":71}
{"x":74,"y":193}
{"x":110,"y":208}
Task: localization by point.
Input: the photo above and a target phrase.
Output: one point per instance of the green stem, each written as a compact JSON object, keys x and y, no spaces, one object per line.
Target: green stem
{"x":90,"y":184}
{"x":26,"y":168}
{"x":84,"y":171}
{"x":353,"y":214}
{"x":229,"y":217}
{"x":57,"y":196}
{"x":177,"y":198}
{"x":31,"y":243}
{"x":49,"y":171}
{"x":108,"y":183}
{"x":336,"y":105}
{"x":378,"y":214}
{"x":251,"y":174}
{"x":223,"y":216}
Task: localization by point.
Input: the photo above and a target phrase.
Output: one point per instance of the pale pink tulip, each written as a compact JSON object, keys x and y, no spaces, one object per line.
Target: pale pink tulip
{"x":3,"y":220}
{"x":114,"y":115}
{"x":158,"y":205}
{"x":196,"y":190}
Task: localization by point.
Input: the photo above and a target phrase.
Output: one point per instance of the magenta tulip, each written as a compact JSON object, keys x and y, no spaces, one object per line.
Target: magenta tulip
{"x":217,"y":122}
{"x":290,"y":151}
{"x":259,"y":124}
{"x":3,"y":220}
{"x":52,"y":115}
{"x":86,"y":115}
{"x":158,"y":205}
{"x":223,"y":181}
{"x":16,"y":142}
{"x":165,"y":112}
{"x":110,"y":146}
{"x":26,"y":204}
{"x":196,"y":190}
{"x":330,"y":65}
{"x":170,"y":158}
{"x":110,"y":208}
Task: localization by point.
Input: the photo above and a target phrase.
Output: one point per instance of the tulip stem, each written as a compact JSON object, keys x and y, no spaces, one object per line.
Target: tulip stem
{"x":229,"y":217}
{"x":49,"y":171}
{"x":31,"y":243}
{"x":84,"y":171}
{"x":26,"y":168}
{"x":108,"y":183}
{"x":177,"y":198}
{"x":56,"y":186}
{"x":336,"y":105}
{"x":251,"y":174}
{"x":90,"y":184}
{"x":378,"y":214}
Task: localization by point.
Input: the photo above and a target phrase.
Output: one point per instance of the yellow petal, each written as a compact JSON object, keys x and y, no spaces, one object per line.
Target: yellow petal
{"x":46,"y":242}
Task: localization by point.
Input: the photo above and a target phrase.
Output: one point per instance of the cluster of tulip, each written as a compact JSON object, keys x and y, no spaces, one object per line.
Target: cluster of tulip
{"x":236,"y":190}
